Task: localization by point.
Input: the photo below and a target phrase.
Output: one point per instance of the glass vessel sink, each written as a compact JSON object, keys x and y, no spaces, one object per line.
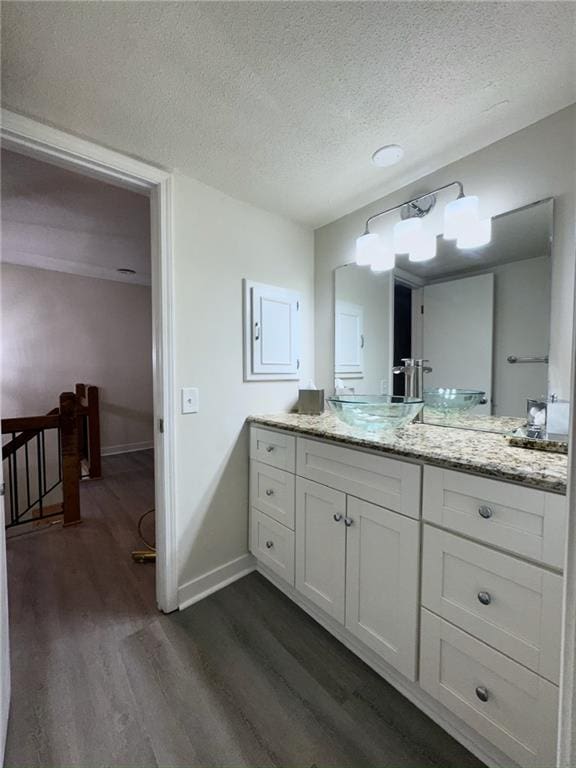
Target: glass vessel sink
{"x":375,"y":413}
{"x":446,"y":401}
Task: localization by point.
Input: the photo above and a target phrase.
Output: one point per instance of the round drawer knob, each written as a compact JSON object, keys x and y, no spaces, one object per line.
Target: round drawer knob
{"x":348,"y":521}
{"x":482,"y":693}
{"x":269,"y":544}
{"x":269,"y":492}
{"x":485,"y":512}
{"x":337,"y":517}
{"x":485,"y":598}
{"x":269,"y":448}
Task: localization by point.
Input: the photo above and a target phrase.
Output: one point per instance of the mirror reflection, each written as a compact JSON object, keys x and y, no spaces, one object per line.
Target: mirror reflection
{"x":480,"y":317}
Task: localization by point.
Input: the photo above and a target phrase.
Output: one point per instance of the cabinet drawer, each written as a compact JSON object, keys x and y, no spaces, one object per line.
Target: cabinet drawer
{"x":512,"y":707}
{"x":526,"y":521}
{"x":387,"y":482}
{"x":272,"y":492}
{"x":513,"y":606}
{"x":272,"y":544}
{"x":274,"y":448}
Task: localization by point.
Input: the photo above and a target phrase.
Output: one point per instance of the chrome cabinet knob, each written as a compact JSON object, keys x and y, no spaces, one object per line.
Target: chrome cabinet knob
{"x":269,"y":544}
{"x":337,"y":517}
{"x":482,"y":693}
{"x":269,"y":492}
{"x":485,"y":512}
{"x":348,"y":521}
{"x":269,"y":448}
{"x":485,"y":597}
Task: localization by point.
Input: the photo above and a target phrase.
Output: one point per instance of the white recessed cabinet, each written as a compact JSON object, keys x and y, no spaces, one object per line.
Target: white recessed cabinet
{"x":411,"y":566}
{"x":271,"y":332}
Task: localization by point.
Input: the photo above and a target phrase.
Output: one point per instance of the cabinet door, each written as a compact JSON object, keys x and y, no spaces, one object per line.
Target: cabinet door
{"x":271,"y":331}
{"x":349,"y":339}
{"x":382,"y":582}
{"x":321,"y":546}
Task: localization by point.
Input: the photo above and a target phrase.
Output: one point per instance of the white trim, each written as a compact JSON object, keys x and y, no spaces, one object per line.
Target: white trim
{"x":21,"y":134}
{"x":218,"y":578}
{"x":483,"y":750}
{"x":69,"y":267}
{"x":567,"y":705}
{"x":114,"y":450}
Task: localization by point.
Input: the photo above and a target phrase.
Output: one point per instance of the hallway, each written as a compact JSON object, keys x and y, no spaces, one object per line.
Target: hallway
{"x":243,"y":678}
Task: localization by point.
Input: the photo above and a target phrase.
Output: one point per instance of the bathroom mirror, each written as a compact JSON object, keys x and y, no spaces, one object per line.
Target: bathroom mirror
{"x":481,"y":317}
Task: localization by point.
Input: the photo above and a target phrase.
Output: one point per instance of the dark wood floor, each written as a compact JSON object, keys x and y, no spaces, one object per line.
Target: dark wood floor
{"x":244,"y":678}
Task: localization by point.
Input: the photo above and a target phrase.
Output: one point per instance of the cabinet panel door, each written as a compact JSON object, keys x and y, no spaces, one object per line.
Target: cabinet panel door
{"x":275,"y":338}
{"x":349,"y":339}
{"x":382,"y":554}
{"x":321,"y":546}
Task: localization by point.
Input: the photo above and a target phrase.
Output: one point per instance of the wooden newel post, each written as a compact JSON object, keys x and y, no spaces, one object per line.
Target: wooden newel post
{"x":70,"y":459}
{"x":94,"y":455}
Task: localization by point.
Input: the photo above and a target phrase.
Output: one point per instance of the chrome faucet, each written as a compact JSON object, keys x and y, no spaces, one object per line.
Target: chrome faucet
{"x":413,"y":370}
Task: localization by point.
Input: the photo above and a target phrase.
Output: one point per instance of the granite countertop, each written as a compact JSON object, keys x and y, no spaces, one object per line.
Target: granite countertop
{"x":483,"y":453}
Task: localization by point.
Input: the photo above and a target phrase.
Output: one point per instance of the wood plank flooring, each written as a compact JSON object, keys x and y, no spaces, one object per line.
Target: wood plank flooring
{"x":244,"y":678}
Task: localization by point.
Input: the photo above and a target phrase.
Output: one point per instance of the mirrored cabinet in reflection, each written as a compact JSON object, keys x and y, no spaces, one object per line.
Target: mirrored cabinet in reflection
{"x":481,"y":317}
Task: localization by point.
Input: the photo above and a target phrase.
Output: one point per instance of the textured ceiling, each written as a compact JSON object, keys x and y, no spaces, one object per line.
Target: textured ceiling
{"x":282,"y":104}
{"x":53,"y":218}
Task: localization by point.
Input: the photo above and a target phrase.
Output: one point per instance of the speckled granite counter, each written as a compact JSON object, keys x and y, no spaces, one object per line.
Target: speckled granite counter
{"x":484,"y":453}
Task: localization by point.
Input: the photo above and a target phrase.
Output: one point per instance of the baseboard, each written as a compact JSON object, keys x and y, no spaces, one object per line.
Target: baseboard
{"x":202,"y":586}
{"x":473,"y":742}
{"x":112,"y":450}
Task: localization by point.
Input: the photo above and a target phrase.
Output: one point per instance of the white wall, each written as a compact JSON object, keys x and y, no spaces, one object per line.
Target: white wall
{"x":218,"y":241}
{"x":532,"y":164}
{"x":59,"y":329}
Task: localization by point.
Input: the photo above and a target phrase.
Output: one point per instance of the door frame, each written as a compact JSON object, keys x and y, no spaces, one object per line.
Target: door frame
{"x":28,"y":137}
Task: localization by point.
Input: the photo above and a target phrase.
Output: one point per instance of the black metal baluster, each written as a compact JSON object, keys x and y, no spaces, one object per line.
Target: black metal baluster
{"x":40,"y":481}
{"x":59,"y":454}
{"x":27,"y":475}
{"x":15,"y":476}
{"x":43,"y":462}
{"x":12,"y":517}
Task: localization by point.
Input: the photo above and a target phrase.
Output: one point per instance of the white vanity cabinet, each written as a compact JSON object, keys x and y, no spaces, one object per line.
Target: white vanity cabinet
{"x":356,"y":560}
{"x":451,"y":579}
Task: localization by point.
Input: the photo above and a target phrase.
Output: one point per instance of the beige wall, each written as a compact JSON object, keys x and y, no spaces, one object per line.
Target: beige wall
{"x":217,"y":242}
{"x":532,"y":164}
{"x":59,"y":329}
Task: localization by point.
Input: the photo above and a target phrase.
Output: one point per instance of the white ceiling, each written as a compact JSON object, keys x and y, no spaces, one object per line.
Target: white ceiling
{"x":282,"y":103}
{"x":56,"y":219}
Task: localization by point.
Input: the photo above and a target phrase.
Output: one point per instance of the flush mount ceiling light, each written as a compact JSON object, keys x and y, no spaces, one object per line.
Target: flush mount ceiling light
{"x":126,"y":271}
{"x":388,"y":155}
{"x":461,"y":223}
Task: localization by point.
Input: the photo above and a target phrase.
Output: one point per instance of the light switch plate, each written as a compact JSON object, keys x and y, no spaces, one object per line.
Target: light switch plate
{"x":190,"y":400}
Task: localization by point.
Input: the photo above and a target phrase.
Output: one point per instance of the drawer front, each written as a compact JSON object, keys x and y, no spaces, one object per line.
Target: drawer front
{"x":513,"y":606}
{"x":272,"y":492}
{"x":387,"y":482}
{"x":512,"y":707}
{"x":274,"y":448}
{"x":273,"y":544}
{"x":522,"y":520}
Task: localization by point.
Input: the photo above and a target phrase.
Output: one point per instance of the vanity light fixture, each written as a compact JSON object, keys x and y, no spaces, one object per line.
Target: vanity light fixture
{"x":461,"y":223}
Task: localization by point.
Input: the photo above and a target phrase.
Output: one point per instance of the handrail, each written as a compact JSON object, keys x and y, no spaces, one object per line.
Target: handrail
{"x":77,"y":424}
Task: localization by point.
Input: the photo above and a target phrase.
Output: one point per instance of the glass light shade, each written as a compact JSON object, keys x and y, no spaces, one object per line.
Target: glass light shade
{"x":476,"y":235}
{"x":368,"y":247}
{"x":384,"y":261}
{"x":424,"y":247}
{"x":406,"y":234}
{"x":459,"y":215}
